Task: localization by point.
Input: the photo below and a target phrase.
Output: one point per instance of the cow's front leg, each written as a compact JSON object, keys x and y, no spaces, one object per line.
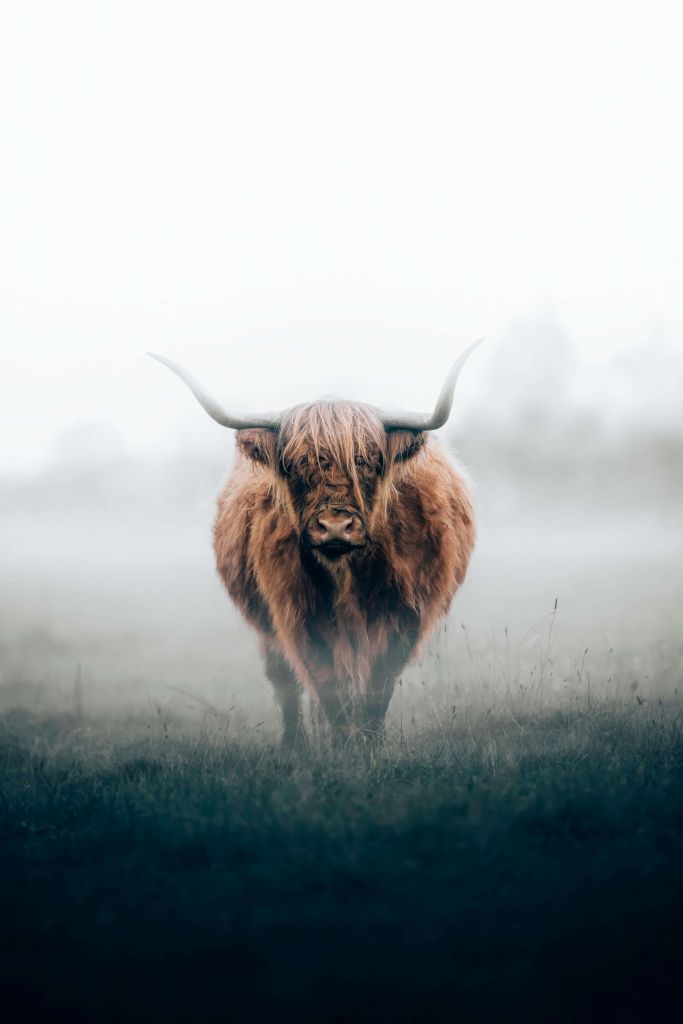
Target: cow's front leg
{"x":288,"y":695}
{"x":379,"y":693}
{"x":335,"y":700}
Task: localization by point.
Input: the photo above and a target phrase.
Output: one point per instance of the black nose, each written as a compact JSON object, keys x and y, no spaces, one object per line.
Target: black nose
{"x":334,"y":527}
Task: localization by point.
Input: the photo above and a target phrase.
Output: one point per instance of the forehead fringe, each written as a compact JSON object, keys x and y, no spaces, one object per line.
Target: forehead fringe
{"x":336,"y":431}
{"x":339,"y":431}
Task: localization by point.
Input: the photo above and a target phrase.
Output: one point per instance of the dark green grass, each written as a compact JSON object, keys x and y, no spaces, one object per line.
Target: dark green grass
{"x":509,"y":867}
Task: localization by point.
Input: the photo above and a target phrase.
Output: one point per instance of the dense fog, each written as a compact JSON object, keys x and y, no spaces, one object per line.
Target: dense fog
{"x":294,"y":202}
{"x":108,"y":582}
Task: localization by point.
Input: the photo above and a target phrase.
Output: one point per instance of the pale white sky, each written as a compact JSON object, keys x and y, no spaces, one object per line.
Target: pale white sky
{"x":299,"y":198}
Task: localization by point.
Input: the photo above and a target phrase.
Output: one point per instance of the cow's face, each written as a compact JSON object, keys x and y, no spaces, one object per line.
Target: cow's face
{"x":334,"y":460}
{"x":333,"y":501}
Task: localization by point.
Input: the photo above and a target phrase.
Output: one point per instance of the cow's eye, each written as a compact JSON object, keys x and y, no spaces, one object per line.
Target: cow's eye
{"x":360,"y":462}
{"x":303,"y":462}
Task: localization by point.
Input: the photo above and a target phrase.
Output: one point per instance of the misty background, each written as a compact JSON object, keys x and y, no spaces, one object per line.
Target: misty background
{"x":294,"y":202}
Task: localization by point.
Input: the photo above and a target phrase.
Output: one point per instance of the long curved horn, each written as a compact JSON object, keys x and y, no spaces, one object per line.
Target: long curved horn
{"x":444,"y":403}
{"x":269,"y":421}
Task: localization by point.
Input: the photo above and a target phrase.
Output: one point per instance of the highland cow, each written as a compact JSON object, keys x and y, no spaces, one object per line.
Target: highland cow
{"x":342,"y":536}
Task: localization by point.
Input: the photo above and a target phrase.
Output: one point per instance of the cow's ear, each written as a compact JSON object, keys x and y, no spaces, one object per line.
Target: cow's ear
{"x":257,"y":445}
{"x":404,"y":444}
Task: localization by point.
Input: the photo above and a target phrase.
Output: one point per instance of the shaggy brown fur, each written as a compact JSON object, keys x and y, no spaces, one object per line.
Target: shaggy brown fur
{"x":343,"y":627}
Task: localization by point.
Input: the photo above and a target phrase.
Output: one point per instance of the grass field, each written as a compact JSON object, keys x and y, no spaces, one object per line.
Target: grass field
{"x":499,"y":864}
{"x":514,"y":851}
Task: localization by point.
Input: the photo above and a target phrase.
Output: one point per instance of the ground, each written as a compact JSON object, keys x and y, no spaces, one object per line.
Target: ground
{"x":507,"y":863}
